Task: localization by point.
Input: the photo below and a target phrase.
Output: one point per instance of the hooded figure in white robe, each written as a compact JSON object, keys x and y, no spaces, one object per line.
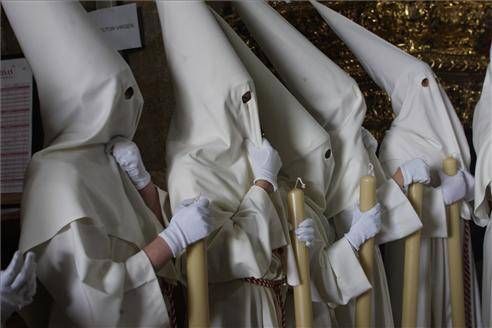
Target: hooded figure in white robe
{"x":482,"y":141}
{"x":216,"y":112}
{"x":305,"y":149}
{"x":81,"y":214}
{"x":335,"y":101}
{"x":427,"y":127}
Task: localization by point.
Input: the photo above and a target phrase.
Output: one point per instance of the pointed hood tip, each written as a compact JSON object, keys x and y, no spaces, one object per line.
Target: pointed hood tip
{"x":384,"y":62}
{"x":228,"y":73}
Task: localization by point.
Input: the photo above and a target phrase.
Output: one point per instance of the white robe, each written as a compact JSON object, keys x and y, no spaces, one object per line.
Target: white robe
{"x":482,"y":141}
{"x":426,"y":127}
{"x":431,"y":136}
{"x":336,"y":102}
{"x":216,"y":111}
{"x":81,"y":214}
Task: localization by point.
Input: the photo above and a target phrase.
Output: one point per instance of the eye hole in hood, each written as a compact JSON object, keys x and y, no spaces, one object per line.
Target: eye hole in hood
{"x":128,"y":93}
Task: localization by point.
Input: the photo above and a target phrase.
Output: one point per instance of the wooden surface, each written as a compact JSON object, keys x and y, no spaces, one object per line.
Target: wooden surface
{"x":11,"y":198}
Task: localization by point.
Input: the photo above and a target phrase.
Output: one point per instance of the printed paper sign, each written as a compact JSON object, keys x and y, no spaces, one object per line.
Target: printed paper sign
{"x":119,"y":26}
{"x":16,"y":122}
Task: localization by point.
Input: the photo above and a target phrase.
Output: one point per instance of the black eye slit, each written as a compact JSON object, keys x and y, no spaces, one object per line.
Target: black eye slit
{"x":246,"y":97}
{"x":128,"y":93}
{"x":425,"y":82}
{"x":328,"y":154}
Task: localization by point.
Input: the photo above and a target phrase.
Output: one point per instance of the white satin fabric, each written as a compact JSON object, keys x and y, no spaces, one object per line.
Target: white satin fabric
{"x":482,"y":141}
{"x":427,"y":127}
{"x":81,"y":215}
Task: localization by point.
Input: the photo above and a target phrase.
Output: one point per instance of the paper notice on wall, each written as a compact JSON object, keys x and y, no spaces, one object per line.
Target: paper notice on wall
{"x":15,"y":122}
{"x":119,"y":26}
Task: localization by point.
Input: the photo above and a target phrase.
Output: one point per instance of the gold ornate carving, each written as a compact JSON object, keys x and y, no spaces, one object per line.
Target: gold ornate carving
{"x":453,"y":37}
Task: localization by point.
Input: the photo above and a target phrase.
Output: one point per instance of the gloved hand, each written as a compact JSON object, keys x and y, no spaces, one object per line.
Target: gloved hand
{"x":17,"y":284}
{"x":128,"y":156}
{"x":457,"y":187}
{"x":190,"y":223}
{"x":415,"y":170}
{"x":365,"y":225}
{"x":306,"y":232}
{"x":265,"y":161}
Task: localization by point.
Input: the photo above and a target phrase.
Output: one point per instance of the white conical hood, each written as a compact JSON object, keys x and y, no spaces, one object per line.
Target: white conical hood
{"x":318,"y":83}
{"x":482,"y":141}
{"x":384,"y":62}
{"x":212,"y":68}
{"x":301,"y":142}
{"x":409,"y":81}
{"x":87,"y":97}
{"x":329,"y":94}
{"x":215,"y":109}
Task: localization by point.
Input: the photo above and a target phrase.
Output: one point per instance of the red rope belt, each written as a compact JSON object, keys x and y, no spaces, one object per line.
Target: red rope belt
{"x":276,"y":286}
{"x":168,"y":292}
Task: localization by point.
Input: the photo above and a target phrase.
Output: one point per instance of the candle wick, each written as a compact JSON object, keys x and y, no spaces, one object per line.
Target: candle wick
{"x":299,"y":182}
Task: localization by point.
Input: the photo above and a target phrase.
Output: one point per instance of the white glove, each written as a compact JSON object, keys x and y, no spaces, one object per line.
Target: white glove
{"x":17,"y":284}
{"x":415,"y":170}
{"x":128,"y":156}
{"x":265,"y":162}
{"x":190,"y":223}
{"x":365,"y":225}
{"x":306,"y":232}
{"x":457,"y":187}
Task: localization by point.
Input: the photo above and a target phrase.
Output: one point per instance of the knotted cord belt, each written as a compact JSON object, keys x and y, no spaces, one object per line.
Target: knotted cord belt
{"x":467,"y":273}
{"x":168,"y":291}
{"x":276,"y":286}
